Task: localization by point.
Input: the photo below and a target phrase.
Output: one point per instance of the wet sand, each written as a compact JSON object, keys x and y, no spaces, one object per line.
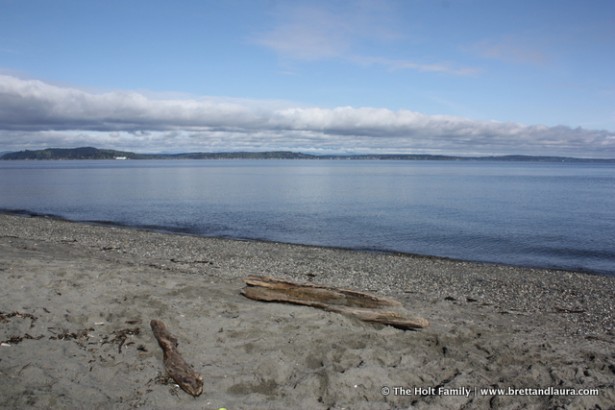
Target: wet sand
{"x":76,"y":301}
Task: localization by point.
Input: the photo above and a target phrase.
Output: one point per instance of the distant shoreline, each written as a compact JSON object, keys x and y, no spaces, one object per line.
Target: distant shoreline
{"x":91,"y":153}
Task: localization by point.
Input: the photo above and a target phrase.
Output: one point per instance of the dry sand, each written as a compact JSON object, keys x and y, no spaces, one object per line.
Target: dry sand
{"x":76,"y":301}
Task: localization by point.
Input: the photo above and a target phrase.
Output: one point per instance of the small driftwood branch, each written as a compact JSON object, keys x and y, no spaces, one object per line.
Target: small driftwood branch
{"x":364,"y":306}
{"x":566,"y":310}
{"x":177,"y":368}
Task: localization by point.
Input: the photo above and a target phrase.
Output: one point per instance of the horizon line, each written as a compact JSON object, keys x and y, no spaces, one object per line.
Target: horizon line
{"x":323,"y":155}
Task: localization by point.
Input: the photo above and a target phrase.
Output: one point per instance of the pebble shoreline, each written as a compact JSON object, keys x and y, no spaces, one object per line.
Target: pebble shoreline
{"x":526,"y":290}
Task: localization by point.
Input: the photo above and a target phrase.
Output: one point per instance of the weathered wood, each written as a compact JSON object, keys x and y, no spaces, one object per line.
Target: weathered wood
{"x":177,"y":368}
{"x":362,"y":305}
{"x":325,"y":294}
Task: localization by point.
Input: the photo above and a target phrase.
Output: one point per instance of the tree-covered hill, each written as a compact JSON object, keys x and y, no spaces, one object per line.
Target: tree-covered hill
{"x":69,"y":153}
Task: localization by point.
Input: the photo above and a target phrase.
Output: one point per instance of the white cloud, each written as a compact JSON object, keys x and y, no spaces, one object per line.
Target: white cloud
{"x":34,"y":114}
{"x":308,"y":33}
{"x":32,"y":104}
{"x":399,"y":64}
{"x":319,"y":33}
{"x":512,"y":50}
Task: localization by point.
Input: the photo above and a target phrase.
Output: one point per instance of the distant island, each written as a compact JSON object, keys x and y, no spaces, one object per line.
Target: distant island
{"x":95,"y":153}
{"x":91,"y":153}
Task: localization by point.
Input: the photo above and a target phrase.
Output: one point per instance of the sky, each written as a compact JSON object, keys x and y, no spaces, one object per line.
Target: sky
{"x":457,"y":77}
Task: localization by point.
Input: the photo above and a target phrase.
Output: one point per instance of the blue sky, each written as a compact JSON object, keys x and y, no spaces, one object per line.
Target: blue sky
{"x":413,"y":76}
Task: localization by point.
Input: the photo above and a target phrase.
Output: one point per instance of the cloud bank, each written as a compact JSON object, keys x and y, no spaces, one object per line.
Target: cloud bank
{"x":35,"y":114}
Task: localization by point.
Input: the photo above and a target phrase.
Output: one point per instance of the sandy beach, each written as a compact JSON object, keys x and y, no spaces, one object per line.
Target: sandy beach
{"x":77,"y":299}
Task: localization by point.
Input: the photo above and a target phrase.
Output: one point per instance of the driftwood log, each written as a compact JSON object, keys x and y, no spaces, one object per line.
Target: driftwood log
{"x":177,"y":368}
{"x":362,"y":305}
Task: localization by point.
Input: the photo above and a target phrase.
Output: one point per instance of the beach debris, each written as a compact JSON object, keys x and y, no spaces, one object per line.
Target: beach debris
{"x":196,"y":261}
{"x":566,"y":310}
{"x":177,"y":368}
{"x":63,"y":334}
{"x":4,"y":316}
{"x":362,"y":305}
{"x":120,"y":337}
{"x":18,"y":339}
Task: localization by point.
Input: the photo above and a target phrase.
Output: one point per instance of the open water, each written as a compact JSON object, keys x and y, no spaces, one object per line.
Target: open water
{"x":553,"y":215}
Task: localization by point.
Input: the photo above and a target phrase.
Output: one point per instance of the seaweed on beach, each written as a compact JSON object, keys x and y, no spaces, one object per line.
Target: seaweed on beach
{"x":79,"y":336}
{"x":122,"y":335}
{"x":18,"y":339}
{"x":4,"y":317}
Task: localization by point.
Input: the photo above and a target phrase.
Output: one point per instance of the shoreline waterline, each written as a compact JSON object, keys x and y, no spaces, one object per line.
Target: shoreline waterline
{"x":185,"y":232}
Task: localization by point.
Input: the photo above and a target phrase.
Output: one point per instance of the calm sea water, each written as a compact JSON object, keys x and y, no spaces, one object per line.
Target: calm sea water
{"x":532,"y":214}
